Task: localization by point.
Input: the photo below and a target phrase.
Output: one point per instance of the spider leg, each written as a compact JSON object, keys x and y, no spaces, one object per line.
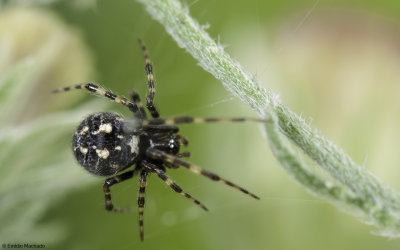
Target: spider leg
{"x":150,"y":82}
{"x":136,"y":99}
{"x":161,"y":174}
{"x":142,"y":190}
{"x":179,"y":155}
{"x":183,"y":154}
{"x":102,"y":92}
{"x":112,"y":181}
{"x":183,"y":140}
{"x":161,"y":129}
{"x":167,"y":158}
{"x":187,"y":119}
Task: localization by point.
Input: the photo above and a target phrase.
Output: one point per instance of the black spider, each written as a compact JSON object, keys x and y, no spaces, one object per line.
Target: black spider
{"x":105,"y":143}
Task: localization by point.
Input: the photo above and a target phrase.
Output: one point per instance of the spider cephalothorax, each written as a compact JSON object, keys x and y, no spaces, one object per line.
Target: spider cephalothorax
{"x":105,"y":144}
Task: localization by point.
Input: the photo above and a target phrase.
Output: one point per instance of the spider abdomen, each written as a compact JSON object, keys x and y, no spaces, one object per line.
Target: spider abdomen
{"x":102,"y":146}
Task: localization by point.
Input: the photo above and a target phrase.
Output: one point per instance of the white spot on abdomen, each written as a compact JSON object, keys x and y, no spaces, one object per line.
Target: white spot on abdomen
{"x":134,"y":144}
{"x":102,"y":153}
{"x":84,"y":130}
{"x":83,"y":150}
{"x":107,"y":128}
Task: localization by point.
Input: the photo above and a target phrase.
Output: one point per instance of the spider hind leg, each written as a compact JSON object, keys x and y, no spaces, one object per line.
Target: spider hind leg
{"x":161,"y":174}
{"x":141,"y":201}
{"x":101,"y":92}
{"x":107,"y":192}
{"x":136,"y":99}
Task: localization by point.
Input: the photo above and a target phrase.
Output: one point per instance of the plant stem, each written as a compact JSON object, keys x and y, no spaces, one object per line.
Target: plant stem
{"x":353,"y":188}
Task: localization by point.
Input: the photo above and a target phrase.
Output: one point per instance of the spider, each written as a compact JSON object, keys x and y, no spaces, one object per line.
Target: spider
{"x":106,"y":144}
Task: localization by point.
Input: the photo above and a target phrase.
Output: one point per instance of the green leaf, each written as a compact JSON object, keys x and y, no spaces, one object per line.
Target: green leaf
{"x":345,"y":184}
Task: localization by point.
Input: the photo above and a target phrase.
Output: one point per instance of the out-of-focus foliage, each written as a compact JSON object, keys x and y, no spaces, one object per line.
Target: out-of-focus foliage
{"x":37,"y":52}
{"x":340,"y":69}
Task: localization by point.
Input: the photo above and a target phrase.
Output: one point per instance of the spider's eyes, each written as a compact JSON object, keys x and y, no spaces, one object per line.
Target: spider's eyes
{"x":171,"y":143}
{"x":173,"y":146}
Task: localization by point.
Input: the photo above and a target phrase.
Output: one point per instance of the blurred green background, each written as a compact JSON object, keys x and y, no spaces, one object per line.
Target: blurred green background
{"x":335,"y":62}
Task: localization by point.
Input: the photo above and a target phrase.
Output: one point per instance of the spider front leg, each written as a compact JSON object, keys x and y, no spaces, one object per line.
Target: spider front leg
{"x":171,"y":159}
{"x":150,"y":82}
{"x":189,"y":119}
{"x":107,"y":192}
